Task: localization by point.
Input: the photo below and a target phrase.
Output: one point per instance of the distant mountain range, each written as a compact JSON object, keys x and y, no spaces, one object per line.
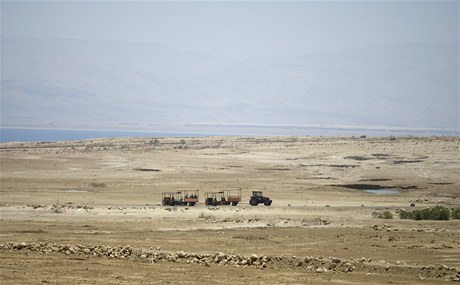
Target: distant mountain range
{"x":88,"y":82}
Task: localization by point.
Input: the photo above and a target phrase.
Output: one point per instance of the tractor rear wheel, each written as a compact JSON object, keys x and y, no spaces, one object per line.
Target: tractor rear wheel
{"x":254,"y":201}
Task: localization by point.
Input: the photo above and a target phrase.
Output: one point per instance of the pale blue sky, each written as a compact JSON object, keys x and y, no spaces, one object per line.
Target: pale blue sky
{"x":238,"y":29}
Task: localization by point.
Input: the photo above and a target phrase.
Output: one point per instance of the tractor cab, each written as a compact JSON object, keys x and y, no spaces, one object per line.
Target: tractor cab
{"x":259,"y":198}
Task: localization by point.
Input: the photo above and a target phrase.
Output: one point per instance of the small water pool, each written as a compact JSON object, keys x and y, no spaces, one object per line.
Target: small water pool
{"x":73,"y":190}
{"x":383,"y":191}
{"x":373,"y":188}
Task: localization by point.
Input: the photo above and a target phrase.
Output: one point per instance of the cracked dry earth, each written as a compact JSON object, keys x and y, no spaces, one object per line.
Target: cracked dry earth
{"x":87,"y":212}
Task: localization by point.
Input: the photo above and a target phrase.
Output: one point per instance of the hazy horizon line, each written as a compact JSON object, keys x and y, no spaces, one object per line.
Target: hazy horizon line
{"x":229,"y":56}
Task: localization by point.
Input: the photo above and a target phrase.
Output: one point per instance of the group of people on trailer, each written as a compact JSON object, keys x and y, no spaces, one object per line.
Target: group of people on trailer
{"x":221,"y":199}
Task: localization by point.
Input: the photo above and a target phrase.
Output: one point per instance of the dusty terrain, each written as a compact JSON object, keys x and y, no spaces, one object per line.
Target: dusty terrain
{"x":89,"y":212}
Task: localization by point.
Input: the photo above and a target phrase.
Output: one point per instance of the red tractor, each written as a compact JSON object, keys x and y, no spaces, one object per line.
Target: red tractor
{"x":258,"y":198}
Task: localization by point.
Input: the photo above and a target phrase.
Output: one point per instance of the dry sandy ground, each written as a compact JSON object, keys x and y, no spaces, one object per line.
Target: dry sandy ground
{"x":70,"y":209}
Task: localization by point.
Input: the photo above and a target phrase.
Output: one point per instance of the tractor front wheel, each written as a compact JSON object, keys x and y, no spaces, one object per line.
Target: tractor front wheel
{"x":267,"y":202}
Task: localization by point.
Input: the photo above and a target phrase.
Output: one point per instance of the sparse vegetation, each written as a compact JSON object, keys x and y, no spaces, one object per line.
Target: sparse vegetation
{"x":435,"y":213}
{"x":456,"y":213}
{"x":98,"y":184}
{"x":206,"y":217}
{"x":382,"y":215}
{"x":154,"y":142}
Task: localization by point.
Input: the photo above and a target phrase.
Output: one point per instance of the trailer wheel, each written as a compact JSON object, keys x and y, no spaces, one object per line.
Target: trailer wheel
{"x":191,"y":203}
{"x":234,"y":203}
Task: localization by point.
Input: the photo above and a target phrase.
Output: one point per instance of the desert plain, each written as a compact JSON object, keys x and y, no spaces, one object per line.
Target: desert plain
{"x":89,"y":212}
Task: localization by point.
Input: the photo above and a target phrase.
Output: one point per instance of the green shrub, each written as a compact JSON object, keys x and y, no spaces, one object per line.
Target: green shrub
{"x":439,"y":213}
{"x":383,"y":215}
{"x":405,"y":215}
{"x":456,"y":213}
{"x":435,"y":213}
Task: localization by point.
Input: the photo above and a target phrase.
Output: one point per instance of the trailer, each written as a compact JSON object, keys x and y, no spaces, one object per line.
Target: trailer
{"x":169,"y":198}
{"x":224,"y":197}
{"x":182,"y":197}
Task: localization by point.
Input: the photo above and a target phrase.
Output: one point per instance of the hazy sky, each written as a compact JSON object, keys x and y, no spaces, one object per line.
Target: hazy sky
{"x":238,"y":29}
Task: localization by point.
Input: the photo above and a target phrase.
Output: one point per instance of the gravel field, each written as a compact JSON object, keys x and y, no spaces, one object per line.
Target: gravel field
{"x":89,"y":212}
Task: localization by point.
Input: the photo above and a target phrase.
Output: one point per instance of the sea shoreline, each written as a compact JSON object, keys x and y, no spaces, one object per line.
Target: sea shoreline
{"x":31,"y":133}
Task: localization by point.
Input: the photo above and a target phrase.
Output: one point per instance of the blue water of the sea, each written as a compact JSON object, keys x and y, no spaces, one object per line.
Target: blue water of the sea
{"x":48,"y":135}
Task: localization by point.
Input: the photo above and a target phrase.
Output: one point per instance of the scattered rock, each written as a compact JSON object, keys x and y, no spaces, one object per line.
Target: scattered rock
{"x":308,"y":263}
{"x":336,"y":260}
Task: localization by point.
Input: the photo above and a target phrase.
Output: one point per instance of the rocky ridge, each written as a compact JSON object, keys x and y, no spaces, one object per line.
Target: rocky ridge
{"x":332,"y":265}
